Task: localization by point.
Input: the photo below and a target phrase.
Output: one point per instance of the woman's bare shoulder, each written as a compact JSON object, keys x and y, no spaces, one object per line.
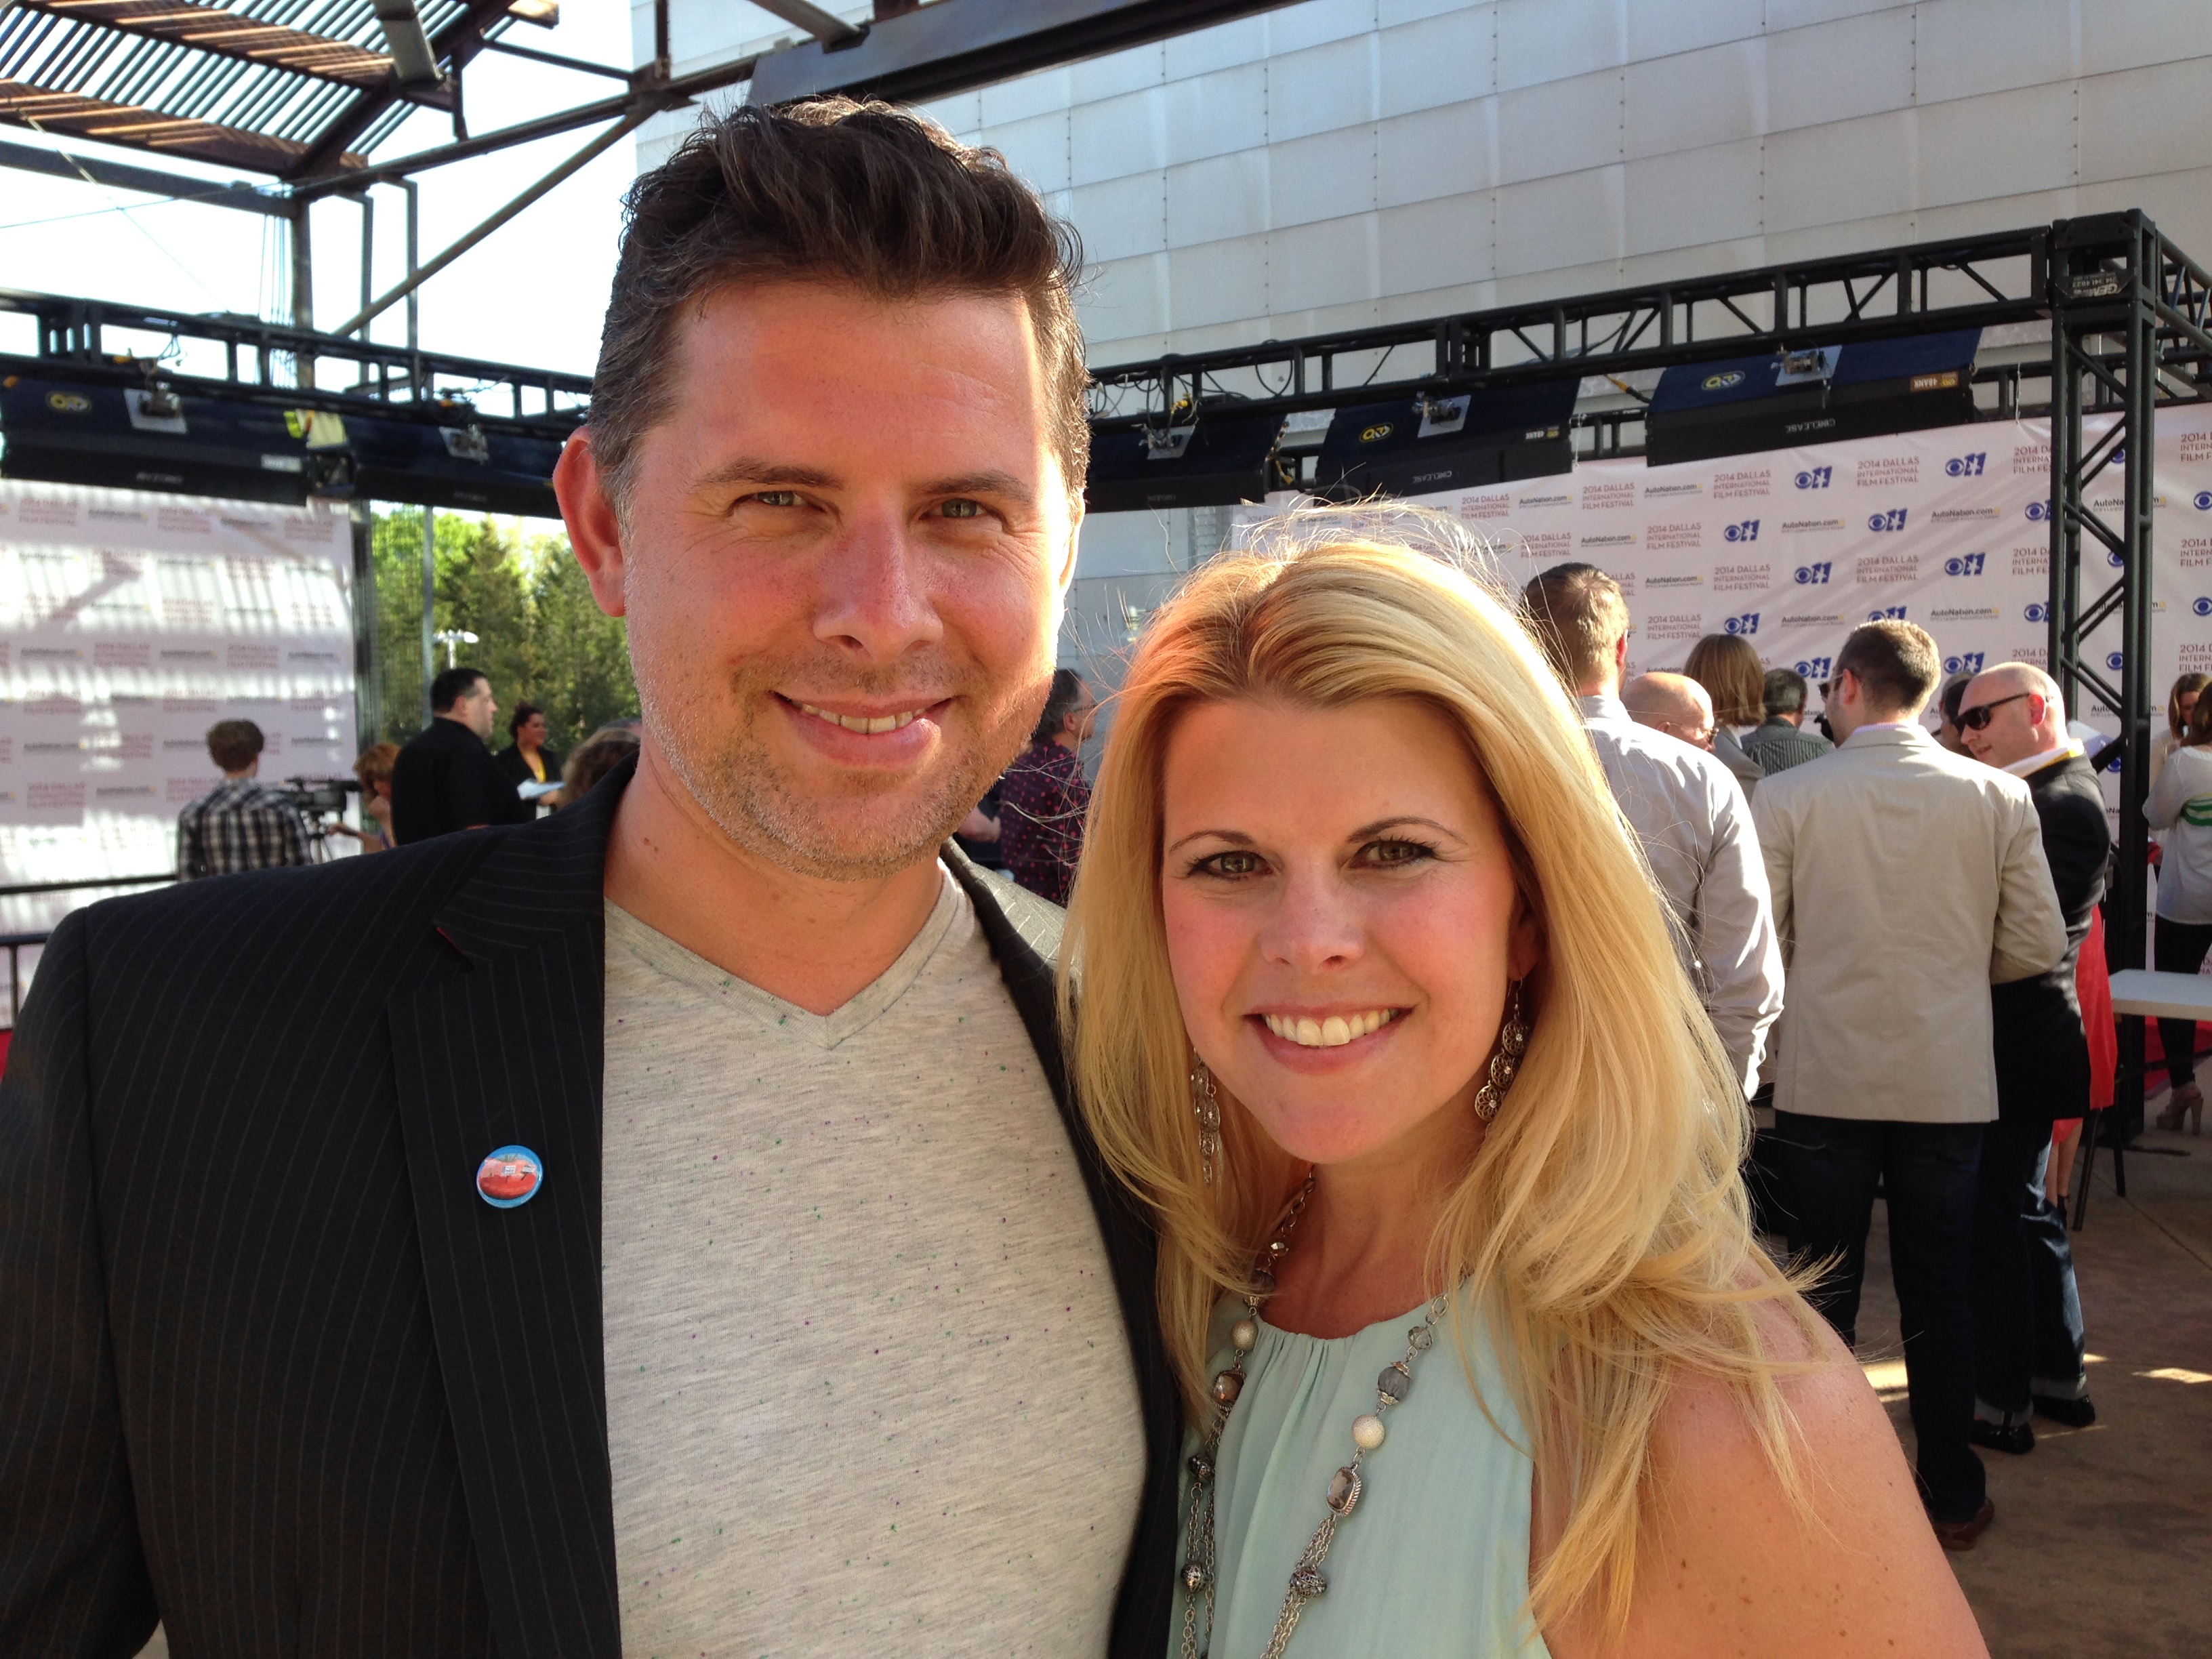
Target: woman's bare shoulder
{"x":1728,"y":1562}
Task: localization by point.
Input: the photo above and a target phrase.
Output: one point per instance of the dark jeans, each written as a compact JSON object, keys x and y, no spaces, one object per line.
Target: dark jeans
{"x":2179,"y":947}
{"x":2027,"y":1313}
{"x":1827,"y":1168}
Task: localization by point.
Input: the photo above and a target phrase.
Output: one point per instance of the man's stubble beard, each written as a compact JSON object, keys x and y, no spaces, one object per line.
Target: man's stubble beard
{"x":736,"y":784}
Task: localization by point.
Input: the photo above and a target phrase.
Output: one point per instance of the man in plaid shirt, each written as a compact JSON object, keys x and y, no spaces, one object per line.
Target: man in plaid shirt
{"x":240,"y":824}
{"x":1043,"y":796}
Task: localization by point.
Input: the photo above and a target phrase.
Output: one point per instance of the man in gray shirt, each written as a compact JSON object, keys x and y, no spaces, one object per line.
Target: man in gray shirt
{"x":663,"y":1227}
{"x":1686,"y":809}
{"x":868,"y":1383}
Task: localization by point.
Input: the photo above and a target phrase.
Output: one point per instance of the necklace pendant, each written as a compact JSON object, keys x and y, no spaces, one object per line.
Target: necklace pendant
{"x":1344,"y":1489}
{"x":1308,"y":1585}
{"x":1195,"y":1578}
{"x":1228,"y":1385}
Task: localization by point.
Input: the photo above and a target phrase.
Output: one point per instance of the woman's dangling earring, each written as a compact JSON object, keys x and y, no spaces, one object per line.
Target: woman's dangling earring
{"x":1505,"y":1064}
{"x":1205,"y":1106}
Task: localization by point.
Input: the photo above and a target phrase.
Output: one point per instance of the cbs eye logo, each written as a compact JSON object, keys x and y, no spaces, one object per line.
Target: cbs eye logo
{"x":2037,"y":612}
{"x":2202,"y":501}
{"x":2039,"y":512}
{"x":1967,"y":662}
{"x":2201,"y":606}
{"x":1818,"y":477}
{"x":1746,"y":531}
{"x":2113,"y":661}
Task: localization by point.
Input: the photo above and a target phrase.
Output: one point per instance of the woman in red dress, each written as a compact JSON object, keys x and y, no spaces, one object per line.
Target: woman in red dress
{"x":2093,"y":984}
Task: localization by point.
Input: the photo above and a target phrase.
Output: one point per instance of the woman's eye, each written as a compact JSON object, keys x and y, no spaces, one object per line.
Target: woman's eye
{"x":1230,"y":864}
{"x":1395,"y":852}
{"x":961,"y":508}
{"x":776,"y":497}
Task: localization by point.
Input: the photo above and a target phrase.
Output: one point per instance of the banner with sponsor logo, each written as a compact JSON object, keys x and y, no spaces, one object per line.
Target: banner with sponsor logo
{"x":134,"y":623}
{"x":1792,"y":549}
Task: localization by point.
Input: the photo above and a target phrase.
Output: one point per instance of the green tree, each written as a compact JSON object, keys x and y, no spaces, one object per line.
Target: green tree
{"x":540,"y":637}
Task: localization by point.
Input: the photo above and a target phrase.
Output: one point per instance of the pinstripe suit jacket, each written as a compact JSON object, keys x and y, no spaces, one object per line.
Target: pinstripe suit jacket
{"x":269,"y":1368}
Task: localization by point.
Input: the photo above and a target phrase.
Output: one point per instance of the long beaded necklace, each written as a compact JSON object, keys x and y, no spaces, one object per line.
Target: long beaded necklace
{"x":1391,"y":1387}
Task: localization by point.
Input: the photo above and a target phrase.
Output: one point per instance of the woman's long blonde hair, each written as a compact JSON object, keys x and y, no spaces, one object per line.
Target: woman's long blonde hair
{"x":1603,"y":1223}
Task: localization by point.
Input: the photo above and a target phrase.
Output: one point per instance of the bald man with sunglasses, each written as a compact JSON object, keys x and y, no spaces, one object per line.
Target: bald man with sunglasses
{"x":2028,"y":1342}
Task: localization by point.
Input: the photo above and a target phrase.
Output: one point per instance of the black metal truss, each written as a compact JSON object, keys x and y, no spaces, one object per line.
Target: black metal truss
{"x":1979,"y":282}
{"x":935,"y":50}
{"x":263,"y":366}
{"x":2130,"y":328}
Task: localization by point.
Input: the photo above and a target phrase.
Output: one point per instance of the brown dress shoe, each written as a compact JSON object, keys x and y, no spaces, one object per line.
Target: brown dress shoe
{"x":1961,"y":1534}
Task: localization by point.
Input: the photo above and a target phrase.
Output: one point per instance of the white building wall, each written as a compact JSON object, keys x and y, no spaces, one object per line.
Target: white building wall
{"x":1349,"y":161}
{"x":1342,"y":162}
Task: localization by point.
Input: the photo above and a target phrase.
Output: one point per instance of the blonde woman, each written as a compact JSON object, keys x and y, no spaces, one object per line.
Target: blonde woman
{"x":1370,"y":1000}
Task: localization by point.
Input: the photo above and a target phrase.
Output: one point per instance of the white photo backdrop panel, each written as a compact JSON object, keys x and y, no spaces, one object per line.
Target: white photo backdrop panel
{"x":130,"y":624}
{"x":1792,"y":549}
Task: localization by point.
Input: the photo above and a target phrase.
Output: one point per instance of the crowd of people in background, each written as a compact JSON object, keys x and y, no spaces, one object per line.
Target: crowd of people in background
{"x":443,"y":780}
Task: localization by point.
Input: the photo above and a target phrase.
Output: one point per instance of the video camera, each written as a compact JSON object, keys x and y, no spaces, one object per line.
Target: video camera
{"x":318,"y":797}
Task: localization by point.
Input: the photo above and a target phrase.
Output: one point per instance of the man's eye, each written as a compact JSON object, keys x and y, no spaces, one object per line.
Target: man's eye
{"x":776,"y":497}
{"x":960,"y":507}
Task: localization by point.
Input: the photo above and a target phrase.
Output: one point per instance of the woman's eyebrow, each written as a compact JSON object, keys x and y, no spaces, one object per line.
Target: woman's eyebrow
{"x":1369,"y":831}
{"x":1234,"y":837}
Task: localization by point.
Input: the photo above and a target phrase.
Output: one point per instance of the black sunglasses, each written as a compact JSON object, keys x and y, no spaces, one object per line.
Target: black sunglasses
{"x":1974,"y":719}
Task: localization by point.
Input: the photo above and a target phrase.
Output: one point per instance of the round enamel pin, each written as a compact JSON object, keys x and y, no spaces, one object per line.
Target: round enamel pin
{"x":510,"y":1176}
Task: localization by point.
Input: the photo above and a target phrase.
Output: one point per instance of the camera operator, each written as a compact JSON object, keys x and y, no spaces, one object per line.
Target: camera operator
{"x":241,"y":823}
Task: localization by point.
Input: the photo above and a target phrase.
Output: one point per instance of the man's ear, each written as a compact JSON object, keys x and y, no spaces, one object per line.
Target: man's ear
{"x":1620,"y":653}
{"x":595,"y":532}
{"x":1066,"y":573}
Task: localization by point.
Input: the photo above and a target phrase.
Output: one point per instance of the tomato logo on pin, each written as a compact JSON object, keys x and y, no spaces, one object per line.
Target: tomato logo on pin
{"x":510,"y":1176}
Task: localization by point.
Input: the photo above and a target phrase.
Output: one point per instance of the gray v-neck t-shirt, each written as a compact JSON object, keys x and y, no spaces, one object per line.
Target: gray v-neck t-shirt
{"x":868,"y":1384}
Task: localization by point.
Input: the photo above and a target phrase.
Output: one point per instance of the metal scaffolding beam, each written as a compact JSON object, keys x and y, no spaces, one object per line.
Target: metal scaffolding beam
{"x":49,"y":110}
{"x":150,"y":181}
{"x":2131,"y":325}
{"x":1979,"y":282}
{"x":228,"y":35}
{"x":454,"y":46}
{"x":954,"y":45}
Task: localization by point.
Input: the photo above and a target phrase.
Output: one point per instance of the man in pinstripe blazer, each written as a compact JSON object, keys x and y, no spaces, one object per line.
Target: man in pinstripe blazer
{"x":290,"y":1362}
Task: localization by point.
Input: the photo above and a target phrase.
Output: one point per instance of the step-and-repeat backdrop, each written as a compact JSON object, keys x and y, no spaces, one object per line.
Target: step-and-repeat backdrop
{"x":1792,"y":549}
{"x":132,"y":624}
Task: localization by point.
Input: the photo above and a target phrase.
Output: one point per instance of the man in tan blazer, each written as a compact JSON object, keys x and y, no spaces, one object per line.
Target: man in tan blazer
{"x":1906,"y":881}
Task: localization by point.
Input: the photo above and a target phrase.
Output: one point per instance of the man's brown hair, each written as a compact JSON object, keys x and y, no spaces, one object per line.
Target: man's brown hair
{"x":831,"y":190}
{"x":1728,"y":666}
{"x":1895,"y":662}
{"x":233,"y":744}
{"x":1576,"y":613}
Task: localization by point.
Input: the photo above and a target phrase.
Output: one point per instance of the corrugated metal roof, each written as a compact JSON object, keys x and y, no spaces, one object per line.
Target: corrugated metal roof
{"x":286,"y":88}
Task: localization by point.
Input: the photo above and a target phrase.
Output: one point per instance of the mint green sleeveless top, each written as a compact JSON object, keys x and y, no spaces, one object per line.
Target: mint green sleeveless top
{"x":1432,"y":1564}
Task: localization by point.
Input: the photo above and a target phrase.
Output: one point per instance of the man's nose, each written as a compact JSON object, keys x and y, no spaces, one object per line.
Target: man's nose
{"x":873,"y":587}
